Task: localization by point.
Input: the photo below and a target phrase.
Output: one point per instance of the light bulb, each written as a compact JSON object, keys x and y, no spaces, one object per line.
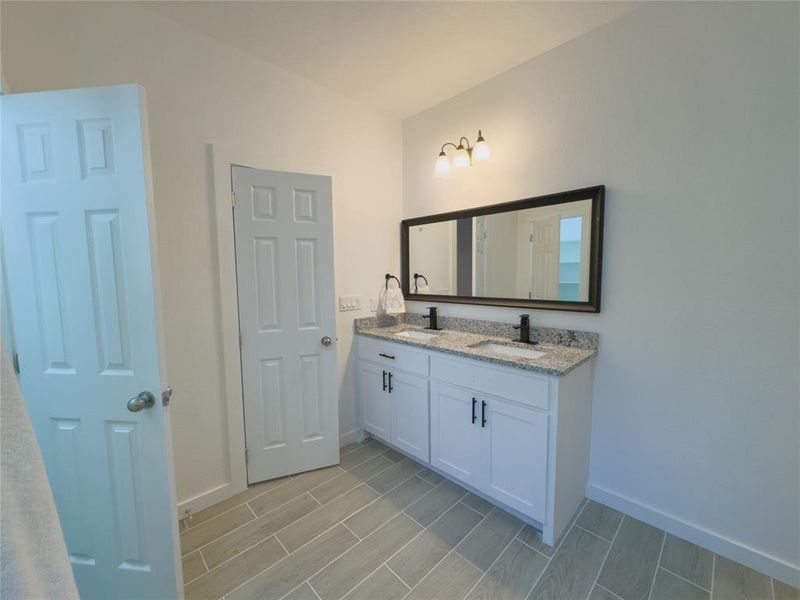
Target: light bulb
{"x":481,"y":149}
{"x":442,"y":167}
{"x":461,"y":158}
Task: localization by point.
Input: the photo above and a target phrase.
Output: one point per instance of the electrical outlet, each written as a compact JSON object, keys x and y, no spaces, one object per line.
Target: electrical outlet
{"x":349,"y":303}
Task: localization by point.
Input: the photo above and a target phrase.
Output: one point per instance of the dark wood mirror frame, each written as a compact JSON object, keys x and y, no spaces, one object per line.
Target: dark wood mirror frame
{"x":597,"y":196}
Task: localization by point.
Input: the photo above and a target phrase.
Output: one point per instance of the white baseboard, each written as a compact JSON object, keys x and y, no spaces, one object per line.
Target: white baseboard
{"x":724,"y":546}
{"x":354,"y":435}
{"x":207,"y":498}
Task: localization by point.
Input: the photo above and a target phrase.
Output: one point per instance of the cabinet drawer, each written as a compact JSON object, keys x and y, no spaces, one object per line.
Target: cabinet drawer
{"x":392,"y":355}
{"x":497,"y":381}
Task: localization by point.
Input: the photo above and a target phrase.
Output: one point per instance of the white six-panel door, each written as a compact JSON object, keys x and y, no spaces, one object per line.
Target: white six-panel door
{"x":77,"y":230}
{"x":284,"y":264}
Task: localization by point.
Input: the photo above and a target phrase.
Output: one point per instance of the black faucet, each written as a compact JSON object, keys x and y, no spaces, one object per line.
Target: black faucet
{"x":524,"y":329}
{"x":434,"y":319}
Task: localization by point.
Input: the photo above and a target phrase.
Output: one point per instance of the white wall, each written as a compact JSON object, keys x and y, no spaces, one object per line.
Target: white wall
{"x":200,"y":91}
{"x":688,"y":112}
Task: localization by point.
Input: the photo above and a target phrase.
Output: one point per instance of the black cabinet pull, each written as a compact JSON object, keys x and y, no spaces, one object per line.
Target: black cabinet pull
{"x":386,"y":355}
{"x":483,"y":413}
{"x":390,"y":382}
{"x":474,"y":402}
{"x":384,"y":381}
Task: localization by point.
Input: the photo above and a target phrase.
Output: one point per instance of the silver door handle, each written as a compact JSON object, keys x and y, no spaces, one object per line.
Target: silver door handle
{"x":142,"y":401}
{"x":326,"y":340}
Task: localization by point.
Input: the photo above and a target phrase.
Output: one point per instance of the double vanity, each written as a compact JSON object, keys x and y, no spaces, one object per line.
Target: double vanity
{"x":509,"y":421}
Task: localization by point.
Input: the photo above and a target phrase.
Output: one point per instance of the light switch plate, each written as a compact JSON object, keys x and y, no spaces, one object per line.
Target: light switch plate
{"x":349,"y":303}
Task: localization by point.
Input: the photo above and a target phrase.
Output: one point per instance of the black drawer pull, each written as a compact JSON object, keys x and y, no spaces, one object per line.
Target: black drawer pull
{"x":474,"y":402}
{"x":384,"y":381}
{"x":483,"y":413}
{"x":390,"y":382}
{"x":386,"y":355}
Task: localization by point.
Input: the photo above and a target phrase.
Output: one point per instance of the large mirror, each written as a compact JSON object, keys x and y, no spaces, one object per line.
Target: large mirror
{"x":540,"y":252}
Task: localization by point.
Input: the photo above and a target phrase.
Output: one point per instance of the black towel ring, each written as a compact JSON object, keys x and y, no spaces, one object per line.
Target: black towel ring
{"x":388,"y":277}
{"x":417,"y":276}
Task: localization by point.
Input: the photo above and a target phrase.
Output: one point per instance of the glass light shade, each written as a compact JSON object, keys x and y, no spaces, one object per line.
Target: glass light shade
{"x":481,"y":150}
{"x":442,"y":166}
{"x":461,"y":158}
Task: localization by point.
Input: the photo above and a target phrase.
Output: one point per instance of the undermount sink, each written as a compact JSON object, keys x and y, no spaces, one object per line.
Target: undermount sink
{"x":413,"y":334}
{"x":509,"y":350}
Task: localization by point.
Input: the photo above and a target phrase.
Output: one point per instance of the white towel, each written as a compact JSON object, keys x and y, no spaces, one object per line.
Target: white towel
{"x":32,"y":551}
{"x":390,"y":300}
{"x":423,"y":289}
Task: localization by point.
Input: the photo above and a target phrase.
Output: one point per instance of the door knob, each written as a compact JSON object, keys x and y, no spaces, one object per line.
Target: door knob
{"x":142,"y":401}
{"x":326,"y":340}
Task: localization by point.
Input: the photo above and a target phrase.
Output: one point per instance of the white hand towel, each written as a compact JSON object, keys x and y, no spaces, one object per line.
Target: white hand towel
{"x":390,"y":300}
{"x":423,"y":289}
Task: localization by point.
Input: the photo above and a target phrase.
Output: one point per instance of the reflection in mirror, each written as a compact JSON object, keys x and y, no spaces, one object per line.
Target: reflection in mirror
{"x":541,"y":251}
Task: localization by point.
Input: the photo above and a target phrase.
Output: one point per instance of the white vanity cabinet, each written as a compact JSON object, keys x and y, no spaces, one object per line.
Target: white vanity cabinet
{"x":393,"y":395}
{"x":517,"y":437}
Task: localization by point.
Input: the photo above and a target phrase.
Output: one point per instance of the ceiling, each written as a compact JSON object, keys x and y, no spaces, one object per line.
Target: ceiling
{"x":401,"y":57}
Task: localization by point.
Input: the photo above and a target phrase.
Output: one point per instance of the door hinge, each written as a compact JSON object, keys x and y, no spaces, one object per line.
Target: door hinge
{"x":15,"y":359}
{"x":233,"y":198}
{"x":240,"y":341}
{"x":246,"y":456}
{"x":166,"y":395}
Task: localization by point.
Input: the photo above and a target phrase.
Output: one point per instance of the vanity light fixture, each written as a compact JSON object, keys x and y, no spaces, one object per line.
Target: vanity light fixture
{"x":464,"y":156}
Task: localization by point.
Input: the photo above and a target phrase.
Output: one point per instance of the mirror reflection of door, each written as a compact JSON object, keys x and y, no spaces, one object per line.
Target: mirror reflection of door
{"x":433,"y":255}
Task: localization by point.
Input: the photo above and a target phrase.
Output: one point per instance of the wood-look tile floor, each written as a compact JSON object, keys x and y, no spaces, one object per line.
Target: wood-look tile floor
{"x":382,"y":527}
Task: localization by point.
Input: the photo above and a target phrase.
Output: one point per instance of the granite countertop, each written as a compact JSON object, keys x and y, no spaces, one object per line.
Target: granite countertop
{"x":558,"y":359}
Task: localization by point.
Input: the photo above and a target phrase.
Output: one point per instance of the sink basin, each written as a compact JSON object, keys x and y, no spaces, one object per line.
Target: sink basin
{"x":413,"y":334}
{"x":510,"y":350}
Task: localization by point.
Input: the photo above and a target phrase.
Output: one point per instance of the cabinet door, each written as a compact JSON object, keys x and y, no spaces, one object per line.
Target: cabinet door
{"x":515,"y":447}
{"x":374,"y":401}
{"x":409,"y":398}
{"x":455,"y":438}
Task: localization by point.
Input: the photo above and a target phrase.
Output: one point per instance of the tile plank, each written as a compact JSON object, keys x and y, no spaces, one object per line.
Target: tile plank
{"x":393,"y":455}
{"x":733,"y":581}
{"x":381,"y":584}
{"x":632,"y":560}
{"x":261,"y":528}
{"x":451,"y":579}
{"x":783,"y":591}
{"x":671,"y":587}
{"x":599,"y":593}
{"x":688,"y":561}
{"x":310,"y":526}
{"x":283,"y":577}
{"x":218,"y":582}
{"x":533,"y":537}
{"x":512,"y":576}
{"x":600,"y":520}
{"x":346,"y":481}
{"x":433,"y":505}
{"x":475,"y":502}
{"x":416,"y":560}
{"x":431,"y":477}
{"x":339,"y":577}
{"x":193,"y":566}
{"x":369,"y":518}
{"x":485,"y":543}
{"x":220,"y":507}
{"x":299,"y":484}
{"x":358,"y":456}
{"x":394,"y":476}
{"x":200,"y":535}
{"x":573,"y":569}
